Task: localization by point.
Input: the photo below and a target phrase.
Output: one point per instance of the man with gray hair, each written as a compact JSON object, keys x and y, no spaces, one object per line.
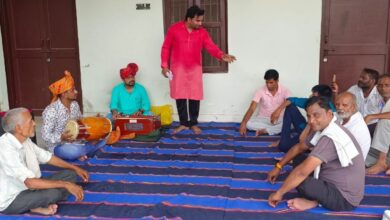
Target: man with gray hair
{"x":378,"y":160}
{"x":352,"y":119}
{"x":22,"y":188}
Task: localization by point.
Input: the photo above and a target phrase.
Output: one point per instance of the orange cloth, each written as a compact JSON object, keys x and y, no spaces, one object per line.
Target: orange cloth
{"x":62,"y":85}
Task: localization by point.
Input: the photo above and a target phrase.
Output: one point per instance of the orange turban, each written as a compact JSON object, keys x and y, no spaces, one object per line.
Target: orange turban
{"x":62,"y":85}
{"x":131,"y":69}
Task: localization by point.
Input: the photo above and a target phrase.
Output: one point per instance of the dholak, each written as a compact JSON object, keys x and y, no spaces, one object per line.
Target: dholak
{"x":138,"y":124}
{"x":88,"y":128}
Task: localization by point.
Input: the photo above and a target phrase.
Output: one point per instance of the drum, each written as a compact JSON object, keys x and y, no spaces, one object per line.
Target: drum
{"x":138,"y":124}
{"x":89,"y":128}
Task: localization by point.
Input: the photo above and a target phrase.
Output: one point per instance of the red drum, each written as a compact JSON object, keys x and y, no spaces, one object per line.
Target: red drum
{"x":138,"y":124}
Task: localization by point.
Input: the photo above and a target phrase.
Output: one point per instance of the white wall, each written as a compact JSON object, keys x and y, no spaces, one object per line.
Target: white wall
{"x":112,"y":34}
{"x":263,"y":34}
{"x":3,"y":83}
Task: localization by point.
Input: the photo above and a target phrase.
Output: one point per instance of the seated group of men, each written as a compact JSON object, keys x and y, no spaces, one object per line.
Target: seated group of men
{"x":128,"y":98}
{"x":335,"y":142}
{"x":333,"y":149}
{"x":20,"y":157}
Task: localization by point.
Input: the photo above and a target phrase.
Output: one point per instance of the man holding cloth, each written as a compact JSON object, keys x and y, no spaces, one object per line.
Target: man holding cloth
{"x":181,"y":60}
{"x":337,"y":161}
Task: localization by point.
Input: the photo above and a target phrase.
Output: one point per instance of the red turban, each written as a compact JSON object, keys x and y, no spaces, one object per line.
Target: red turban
{"x":131,"y":69}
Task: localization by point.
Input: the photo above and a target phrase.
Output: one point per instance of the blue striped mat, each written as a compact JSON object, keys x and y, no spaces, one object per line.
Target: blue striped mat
{"x":217,"y":175}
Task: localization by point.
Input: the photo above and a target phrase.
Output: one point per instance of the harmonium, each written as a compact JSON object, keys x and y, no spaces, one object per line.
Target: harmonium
{"x":138,"y":124}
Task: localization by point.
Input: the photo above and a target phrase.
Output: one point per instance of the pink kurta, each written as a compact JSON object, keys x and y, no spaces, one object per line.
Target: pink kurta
{"x":182,"y":53}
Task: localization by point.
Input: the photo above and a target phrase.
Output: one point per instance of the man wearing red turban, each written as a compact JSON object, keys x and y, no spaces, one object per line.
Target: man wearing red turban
{"x":129,"y":97}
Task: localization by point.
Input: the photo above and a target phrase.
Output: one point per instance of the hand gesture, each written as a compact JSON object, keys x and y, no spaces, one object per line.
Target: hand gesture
{"x":165,"y":71}
{"x":243,"y":129}
{"x":66,"y":136}
{"x":228,"y":58}
{"x":83,"y":174}
{"x":75,"y":190}
{"x":334,"y":87}
{"x":275,"y":116}
{"x":138,"y":113}
{"x":368,"y":118}
{"x":273,"y":175}
{"x":115,"y":115}
{"x":274,"y":199}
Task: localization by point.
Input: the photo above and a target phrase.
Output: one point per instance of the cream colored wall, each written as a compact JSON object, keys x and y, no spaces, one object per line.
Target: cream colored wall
{"x":112,"y":34}
{"x":3,"y":84}
{"x":262,"y":34}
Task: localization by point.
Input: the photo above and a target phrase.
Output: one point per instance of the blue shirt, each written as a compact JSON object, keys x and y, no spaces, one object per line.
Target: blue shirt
{"x":301,"y":102}
{"x":129,"y":103}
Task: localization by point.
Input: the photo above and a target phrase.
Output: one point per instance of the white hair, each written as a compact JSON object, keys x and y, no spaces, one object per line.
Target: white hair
{"x":13,"y":118}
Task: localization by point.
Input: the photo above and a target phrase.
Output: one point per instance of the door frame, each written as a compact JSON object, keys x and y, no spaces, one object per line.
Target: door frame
{"x":7,"y":51}
{"x":9,"y":68}
{"x":325,"y":47}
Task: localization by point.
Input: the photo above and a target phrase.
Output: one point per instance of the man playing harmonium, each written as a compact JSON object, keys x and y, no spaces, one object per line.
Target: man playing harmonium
{"x":129,"y":98}
{"x":62,"y":109}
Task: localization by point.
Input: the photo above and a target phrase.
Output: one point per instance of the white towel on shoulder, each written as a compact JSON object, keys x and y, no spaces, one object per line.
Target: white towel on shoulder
{"x":346,"y":149}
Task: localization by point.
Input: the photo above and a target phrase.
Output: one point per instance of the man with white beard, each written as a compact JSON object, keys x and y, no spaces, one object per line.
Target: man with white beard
{"x":352,"y":119}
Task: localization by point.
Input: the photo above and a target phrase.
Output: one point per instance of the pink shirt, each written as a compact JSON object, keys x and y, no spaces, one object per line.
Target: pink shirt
{"x":267,"y":102}
{"x":182,"y":53}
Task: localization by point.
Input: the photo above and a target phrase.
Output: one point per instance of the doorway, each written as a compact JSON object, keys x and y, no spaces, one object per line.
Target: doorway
{"x":40,"y":42}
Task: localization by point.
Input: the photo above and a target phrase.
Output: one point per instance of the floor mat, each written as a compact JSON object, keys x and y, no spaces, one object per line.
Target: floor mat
{"x":216,"y":175}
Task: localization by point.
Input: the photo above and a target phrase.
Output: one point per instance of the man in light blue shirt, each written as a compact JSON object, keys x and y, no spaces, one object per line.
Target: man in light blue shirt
{"x":129,"y":97}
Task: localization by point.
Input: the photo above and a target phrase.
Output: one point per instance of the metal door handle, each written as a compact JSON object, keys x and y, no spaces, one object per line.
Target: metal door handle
{"x":48,"y":60}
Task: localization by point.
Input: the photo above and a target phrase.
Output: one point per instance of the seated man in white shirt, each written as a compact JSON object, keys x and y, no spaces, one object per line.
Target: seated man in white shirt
{"x":353,"y":120}
{"x":377,"y":158}
{"x":22,"y":188}
{"x":349,"y":117}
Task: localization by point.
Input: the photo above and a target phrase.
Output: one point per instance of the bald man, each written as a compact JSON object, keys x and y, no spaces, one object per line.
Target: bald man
{"x":349,"y":117}
{"x":352,"y":119}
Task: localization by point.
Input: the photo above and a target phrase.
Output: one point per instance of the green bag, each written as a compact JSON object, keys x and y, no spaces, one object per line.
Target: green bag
{"x":153,"y":136}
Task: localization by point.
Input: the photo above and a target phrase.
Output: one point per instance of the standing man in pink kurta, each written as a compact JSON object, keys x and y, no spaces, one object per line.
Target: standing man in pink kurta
{"x":181,"y":62}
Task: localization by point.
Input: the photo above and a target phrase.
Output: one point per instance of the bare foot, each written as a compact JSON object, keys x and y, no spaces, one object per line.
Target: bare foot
{"x":376,"y":168}
{"x":274,"y":144}
{"x":50,"y":210}
{"x":261,"y":132}
{"x":196,"y":129}
{"x":180,"y":128}
{"x":301,"y":204}
{"x":83,"y":158}
{"x":388,"y":172}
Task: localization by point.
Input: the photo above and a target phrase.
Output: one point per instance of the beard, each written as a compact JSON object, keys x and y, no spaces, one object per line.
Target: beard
{"x":344,"y":115}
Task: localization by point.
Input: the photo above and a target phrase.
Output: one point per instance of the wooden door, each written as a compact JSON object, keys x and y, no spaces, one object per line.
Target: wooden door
{"x":354,"y":36}
{"x":40,"y":42}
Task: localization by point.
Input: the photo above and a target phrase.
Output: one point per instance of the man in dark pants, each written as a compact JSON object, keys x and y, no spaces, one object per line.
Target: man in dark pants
{"x":181,"y":62}
{"x":292,"y":116}
{"x":336,"y":160}
{"x":21,"y":187}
